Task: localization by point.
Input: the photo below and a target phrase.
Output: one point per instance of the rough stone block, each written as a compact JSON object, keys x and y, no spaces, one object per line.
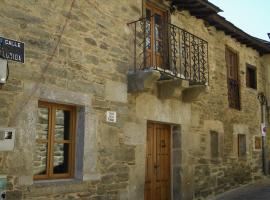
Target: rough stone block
{"x":142,"y":80}
{"x":191,"y":93}
{"x":176,"y":183}
{"x":132,"y":135}
{"x":124,"y":153}
{"x":171,"y":88}
{"x":14,"y":195}
{"x":116,"y":91}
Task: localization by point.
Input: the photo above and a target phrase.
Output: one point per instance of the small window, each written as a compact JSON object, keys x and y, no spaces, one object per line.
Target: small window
{"x":251,"y":77}
{"x":214,"y":144}
{"x":54,"y":151}
{"x":242,"y":149}
{"x":257,"y":143}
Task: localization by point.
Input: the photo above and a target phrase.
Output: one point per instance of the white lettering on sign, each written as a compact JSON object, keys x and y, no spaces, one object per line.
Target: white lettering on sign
{"x":12,"y":56}
{"x":13,"y":43}
{"x":111,"y":116}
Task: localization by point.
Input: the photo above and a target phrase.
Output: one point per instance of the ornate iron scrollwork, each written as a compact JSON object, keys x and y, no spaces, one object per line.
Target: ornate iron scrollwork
{"x":176,"y":51}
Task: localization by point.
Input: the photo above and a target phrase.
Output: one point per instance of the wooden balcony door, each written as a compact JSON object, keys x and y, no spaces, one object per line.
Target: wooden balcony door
{"x":233,"y":79}
{"x":155,"y":36}
{"x":157,"y":176}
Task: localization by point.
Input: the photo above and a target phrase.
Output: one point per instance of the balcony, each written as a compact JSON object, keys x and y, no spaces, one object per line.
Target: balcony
{"x":169,"y":50}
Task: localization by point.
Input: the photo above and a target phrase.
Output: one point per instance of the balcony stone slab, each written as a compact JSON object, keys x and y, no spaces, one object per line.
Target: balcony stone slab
{"x":178,"y":88}
{"x":173,"y":88}
{"x":142,"y":80}
{"x":192,"y":92}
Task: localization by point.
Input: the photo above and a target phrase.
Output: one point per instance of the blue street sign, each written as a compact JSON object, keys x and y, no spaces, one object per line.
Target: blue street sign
{"x":11,"y":49}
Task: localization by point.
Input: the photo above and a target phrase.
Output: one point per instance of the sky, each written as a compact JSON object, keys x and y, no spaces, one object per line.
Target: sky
{"x":252,"y":16}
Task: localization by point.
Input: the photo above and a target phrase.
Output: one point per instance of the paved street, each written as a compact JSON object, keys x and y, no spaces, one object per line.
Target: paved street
{"x":258,"y":191}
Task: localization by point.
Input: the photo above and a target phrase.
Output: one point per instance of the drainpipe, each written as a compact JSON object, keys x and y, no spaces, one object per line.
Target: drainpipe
{"x":263,"y":102}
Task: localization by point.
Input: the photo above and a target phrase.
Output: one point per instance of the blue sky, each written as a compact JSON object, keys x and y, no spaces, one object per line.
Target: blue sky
{"x":252,"y":16}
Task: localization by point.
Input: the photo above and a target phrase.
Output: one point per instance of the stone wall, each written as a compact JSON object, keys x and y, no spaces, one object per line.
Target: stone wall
{"x":92,"y":56}
{"x":88,"y":69}
{"x":213,"y":114}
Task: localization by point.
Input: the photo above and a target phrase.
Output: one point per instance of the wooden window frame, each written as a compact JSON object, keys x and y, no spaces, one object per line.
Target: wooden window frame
{"x":235,"y":77}
{"x":155,"y":58}
{"x":52,"y":107}
{"x":248,"y":82}
{"x":259,"y":140}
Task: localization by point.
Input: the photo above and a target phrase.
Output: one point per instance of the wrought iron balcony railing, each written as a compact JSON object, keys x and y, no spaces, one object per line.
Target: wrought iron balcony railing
{"x":170,"y":50}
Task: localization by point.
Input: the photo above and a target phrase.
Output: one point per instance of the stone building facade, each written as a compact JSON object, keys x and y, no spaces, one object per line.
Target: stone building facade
{"x":81,"y":54}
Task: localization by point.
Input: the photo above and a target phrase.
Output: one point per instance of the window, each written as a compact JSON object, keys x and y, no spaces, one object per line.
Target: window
{"x":251,"y":77}
{"x":242,"y":149}
{"x":257,"y":143}
{"x":214,"y":144}
{"x":54,"y":151}
{"x":233,"y":79}
{"x":155,"y":36}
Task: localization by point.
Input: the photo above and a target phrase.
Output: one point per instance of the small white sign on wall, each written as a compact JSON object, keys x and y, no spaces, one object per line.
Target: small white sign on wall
{"x":263,"y":129}
{"x":111,"y":116}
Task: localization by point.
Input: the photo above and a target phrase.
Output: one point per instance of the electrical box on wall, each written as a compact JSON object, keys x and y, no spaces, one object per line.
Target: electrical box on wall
{"x":3,"y":185}
{"x":7,"y":139}
{"x":3,"y":71}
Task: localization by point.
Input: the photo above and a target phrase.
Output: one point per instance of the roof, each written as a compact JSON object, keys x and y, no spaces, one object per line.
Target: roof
{"x":207,"y":11}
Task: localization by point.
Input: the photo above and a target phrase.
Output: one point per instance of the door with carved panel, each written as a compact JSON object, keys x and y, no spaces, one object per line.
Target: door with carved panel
{"x":157,"y":176}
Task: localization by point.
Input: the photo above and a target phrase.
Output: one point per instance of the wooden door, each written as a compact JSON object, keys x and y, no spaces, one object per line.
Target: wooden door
{"x":157,"y":176}
{"x":155,"y":36}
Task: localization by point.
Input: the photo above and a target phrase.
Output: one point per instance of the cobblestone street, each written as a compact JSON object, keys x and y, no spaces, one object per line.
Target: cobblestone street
{"x":257,"y":191}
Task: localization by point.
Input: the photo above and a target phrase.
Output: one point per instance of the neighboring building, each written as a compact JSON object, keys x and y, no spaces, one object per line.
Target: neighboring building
{"x":182,"y":81}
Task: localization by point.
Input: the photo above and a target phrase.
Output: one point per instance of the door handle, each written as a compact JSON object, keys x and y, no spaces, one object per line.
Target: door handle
{"x":163,"y":144}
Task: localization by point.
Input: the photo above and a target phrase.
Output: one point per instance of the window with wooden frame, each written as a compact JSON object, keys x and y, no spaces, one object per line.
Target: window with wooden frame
{"x":242,"y":146}
{"x":156,"y":34}
{"x":55,"y":141}
{"x":257,"y":143}
{"x":251,"y":77}
{"x":233,"y":79}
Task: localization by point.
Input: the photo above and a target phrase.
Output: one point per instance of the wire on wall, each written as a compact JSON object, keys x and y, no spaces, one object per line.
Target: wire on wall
{"x":17,"y":112}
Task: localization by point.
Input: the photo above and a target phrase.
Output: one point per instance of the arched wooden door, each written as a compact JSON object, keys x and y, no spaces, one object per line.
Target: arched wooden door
{"x":157,"y":176}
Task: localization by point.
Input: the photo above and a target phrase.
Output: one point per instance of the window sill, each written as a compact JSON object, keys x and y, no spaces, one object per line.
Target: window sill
{"x":252,"y":90}
{"x":242,"y":159}
{"x":257,"y":150}
{"x":217,"y":160}
{"x":235,"y":109}
{"x":56,"y":182}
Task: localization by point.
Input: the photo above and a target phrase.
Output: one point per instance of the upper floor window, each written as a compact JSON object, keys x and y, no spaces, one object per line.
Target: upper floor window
{"x":233,"y":79}
{"x":155,"y":36}
{"x":55,"y":141}
{"x":251,"y":76}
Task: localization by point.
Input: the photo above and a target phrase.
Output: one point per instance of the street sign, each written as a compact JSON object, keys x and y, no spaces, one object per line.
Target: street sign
{"x":11,"y":50}
{"x":111,"y":116}
{"x":263,"y":129}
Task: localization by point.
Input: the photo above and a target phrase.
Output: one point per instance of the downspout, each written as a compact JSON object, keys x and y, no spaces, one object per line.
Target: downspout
{"x":263,"y":102}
